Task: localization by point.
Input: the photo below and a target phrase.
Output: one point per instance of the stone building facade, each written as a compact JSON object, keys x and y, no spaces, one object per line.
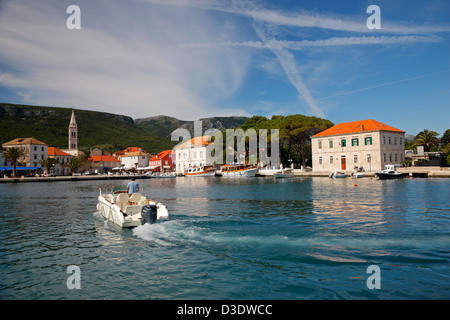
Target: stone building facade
{"x":367,"y":143}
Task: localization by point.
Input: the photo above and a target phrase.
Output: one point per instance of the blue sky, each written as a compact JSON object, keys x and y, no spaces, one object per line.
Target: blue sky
{"x":192,"y":59}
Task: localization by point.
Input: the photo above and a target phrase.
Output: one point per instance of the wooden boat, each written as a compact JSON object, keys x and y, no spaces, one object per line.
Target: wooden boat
{"x":201,"y":171}
{"x":130,"y":211}
{"x":238,"y":170}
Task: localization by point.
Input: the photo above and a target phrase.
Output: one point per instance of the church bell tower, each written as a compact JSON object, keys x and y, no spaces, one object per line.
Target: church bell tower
{"x":73,"y":133}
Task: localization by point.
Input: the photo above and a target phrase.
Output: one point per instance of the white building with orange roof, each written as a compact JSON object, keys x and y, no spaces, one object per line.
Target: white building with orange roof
{"x":63,"y":160}
{"x":366,"y":143}
{"x":192,"y":153}
{"x":135,"y":159}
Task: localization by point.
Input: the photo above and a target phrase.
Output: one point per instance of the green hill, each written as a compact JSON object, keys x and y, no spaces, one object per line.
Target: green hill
{"x":107,"y":131}
{"x":50,"y":125}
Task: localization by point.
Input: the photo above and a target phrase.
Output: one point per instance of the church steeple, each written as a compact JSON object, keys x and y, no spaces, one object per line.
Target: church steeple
{"x":73,"y":133}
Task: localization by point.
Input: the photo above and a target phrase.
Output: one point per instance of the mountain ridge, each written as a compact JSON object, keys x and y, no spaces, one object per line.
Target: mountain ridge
{"x":98,"y":129}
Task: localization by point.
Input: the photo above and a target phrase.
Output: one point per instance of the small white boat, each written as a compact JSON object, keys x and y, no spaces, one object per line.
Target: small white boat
{"x":202,"y":171}
{"x":337,"y":175}
{"x":130,"y":211}
{"x":284,"y":173}
{"x":238,"y":170}
{"x":356,"y":175}
{"x":164,"y":175}
{"x":389,"y":172}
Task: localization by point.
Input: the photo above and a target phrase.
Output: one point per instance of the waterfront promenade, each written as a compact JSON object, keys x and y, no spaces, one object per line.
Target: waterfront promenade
{"x":424,"y":172}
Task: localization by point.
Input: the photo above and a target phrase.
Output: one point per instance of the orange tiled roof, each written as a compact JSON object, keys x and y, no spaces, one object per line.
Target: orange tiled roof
{"x":133,"y":149}
{"x":103,"y":159}
{"x":134,"y":153}
{"x":25,"y":141}
{"x":356,"y":127}
{"x":52,"y":151}
{"x":196,"y":141}
{"x":161,"y":155}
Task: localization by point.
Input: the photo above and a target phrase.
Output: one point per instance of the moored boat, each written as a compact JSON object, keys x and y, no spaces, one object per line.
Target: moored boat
{"x":201,"y":171}
{"x":389,"y":172}
{"x":284,"y":173}
{"x":130,"y":211}
{"x":356,"y":175}
{"x":238,"y":170}
{"x":337,"y":175}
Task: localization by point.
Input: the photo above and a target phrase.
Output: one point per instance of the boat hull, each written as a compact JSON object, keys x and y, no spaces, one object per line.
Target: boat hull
{"x":284,"y":174}
{"x":131,"y":216}
{"x":388,"y":176}
{"x":241,"y":173}
{"x":210,"y":173}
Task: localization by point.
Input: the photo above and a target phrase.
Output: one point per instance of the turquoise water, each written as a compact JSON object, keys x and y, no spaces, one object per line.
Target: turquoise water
{"x":254,"y":238}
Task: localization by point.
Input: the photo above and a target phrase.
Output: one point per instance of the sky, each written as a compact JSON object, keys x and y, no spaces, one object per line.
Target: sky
{"x":192,"y":59}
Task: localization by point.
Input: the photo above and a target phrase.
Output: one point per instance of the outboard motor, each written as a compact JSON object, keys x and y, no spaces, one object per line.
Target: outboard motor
{"x":148,"y":213}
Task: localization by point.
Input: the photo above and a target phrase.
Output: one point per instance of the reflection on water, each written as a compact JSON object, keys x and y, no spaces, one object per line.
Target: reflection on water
{"x":255,"y":238}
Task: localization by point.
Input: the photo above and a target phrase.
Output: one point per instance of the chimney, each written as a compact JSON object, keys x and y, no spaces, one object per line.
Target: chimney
{"x":362,"y":127}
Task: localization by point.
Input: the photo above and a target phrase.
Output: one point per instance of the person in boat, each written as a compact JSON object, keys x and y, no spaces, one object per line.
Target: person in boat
{"x":132,"y":187}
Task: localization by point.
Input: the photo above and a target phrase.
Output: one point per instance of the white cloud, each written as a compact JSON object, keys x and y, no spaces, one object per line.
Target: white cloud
{"x":113,"y":66}
{"x":175,"y":57}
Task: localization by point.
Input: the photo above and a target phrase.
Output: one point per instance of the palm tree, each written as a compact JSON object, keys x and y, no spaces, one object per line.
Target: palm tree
{"x":427,"y":139}
{"x":48,"y":163}
{"x":13,"y":154}
{"x":75,"y":163}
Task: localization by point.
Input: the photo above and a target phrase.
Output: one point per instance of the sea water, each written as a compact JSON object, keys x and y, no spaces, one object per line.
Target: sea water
{"x":228,"y":238}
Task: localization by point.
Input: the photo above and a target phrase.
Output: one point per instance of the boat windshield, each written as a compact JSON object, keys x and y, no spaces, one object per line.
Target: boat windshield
{"x":119,"y":189}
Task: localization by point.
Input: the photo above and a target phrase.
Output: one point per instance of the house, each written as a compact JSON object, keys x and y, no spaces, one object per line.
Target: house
{"x":34,"y":150}
{"x":103,"y":163}
{"x":119,"y":154}
{"x":419,"y":157}
{"x":163,"y":161}
{"x":192,"y":153}
{"x":63,"y":158}
{"x":366,"y":143}
{"x":135,"y":159}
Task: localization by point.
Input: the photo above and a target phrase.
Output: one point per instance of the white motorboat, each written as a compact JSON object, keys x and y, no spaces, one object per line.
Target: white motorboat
{"x":389,"y":172}
{"x":356,"y":175}
{"x":284,"y":173}
{"x":201,"y":171}
{"x":130,"y":211}
{"x":165,"y":175}
{"x":337,"y":175}
{"x":238,"y":170}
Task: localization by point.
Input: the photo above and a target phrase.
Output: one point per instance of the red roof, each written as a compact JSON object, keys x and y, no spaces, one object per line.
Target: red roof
{"x":356,"y":127}
{"x":103,"y":159}
{"x":132,"y":149}
{"x":52,"y":151}
{"x":161,"y":155}
{"x":198,"y":141}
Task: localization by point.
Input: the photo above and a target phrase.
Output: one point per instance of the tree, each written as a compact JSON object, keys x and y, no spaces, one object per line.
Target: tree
{"x":13,"y":154}
{"x":298,"y":129}
{"x":48,"y":163}
{"x":427,"y":139}
{"x":445,"y":139}
{"x":75,"y":163}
